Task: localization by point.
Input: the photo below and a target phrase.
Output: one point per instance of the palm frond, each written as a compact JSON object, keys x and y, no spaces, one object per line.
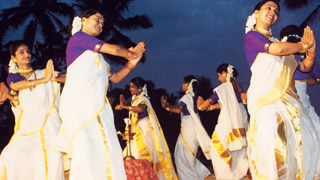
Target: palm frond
{"x":136,"y":22}
{"x":295,"y":4}
{"x":310,"y":18}
{"x":30,"y":31}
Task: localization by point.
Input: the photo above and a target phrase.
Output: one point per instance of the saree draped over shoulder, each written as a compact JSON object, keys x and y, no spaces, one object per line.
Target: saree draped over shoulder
{"x":282,"y":139}
{"x":30,"y":153}
{"x":149,"y":141}
{"x":192,"y":135}
{"x":88,"y":133}
{"x":229,"y":152}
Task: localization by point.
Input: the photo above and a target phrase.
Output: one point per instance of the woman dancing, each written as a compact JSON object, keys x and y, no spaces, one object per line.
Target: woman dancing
{"x":88,"y":124}
{"x":35,"y":96}
{"x":149,"y":142}
{"x":192,"y":134}
{"x":229,"y":152}
{"x":282,"y":141}
{"x":292,"y":33}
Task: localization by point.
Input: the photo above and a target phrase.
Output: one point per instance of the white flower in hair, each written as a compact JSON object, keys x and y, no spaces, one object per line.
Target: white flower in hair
{"x":13,"y":68}
{"x":144,"y":91}
{"x":284,"y":39}
{"x":127,"y":121}
{"x":190,"y":87}
{"x":251,"y":21}
{"x":229,"y":73}
{"x":76,"y":25}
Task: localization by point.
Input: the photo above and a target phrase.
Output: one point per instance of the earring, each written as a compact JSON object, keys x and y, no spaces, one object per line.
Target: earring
{"x":224,"y":75}
{"x":257,"y":16}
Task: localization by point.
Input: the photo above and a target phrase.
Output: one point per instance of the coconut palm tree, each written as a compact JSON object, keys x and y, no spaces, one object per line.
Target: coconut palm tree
{"x":44,"y":16}
{"x":114,"y":22}
{"x":295,"y":4}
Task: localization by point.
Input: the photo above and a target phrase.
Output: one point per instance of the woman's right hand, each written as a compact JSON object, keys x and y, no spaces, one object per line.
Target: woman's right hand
{"x":49,"y":71}
{"x":164,"y":101}
{"x":122,"y":101}
{"x":200,"y":101}
{"x":138,"y":50}
{"x":308,"y":37}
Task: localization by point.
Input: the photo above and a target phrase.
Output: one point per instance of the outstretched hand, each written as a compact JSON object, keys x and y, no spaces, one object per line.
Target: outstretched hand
{"x":49,"y":71}
{"x":308,"y":37}
{"x":4,"y":92}
{"x":122,"y":101}
{"x":138,"y":50}
{"x":200,"y":101}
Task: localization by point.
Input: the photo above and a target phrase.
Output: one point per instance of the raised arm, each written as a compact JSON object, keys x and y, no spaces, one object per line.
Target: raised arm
{"x":48,"y":75}
{"x":122,"y":73}
{"x":168,"y":107}
{"x":287,"y":48}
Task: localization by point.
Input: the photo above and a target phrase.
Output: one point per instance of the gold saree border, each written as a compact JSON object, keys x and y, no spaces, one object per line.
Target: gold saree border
{"x":221,"y":150}
{"x":106,"y":148}
{"x":185,"y":142}
{"x":281,"y":84}
{"x":164,"y":163}
{"x":236,"y":134}
{"x":41,"y":131}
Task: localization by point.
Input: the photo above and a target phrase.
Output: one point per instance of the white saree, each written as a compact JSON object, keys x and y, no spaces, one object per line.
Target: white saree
{"x":229,"y":152}
{"x":149,"y":142}
{"x":282,"y":143}
{"x":88,"y":134}
{"x":301,"y":87}
{"x":192,"y":135}
{"x":30,"y":153}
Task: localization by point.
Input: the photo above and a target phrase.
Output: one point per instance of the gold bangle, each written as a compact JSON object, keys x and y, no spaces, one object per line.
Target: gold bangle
{"x":304,"y":46}
{"x":30,"y":83}
{"x":12,"y":92}
{"x":130,"y":108}
{"x":16,"y":98}
{"x":168,"y":108}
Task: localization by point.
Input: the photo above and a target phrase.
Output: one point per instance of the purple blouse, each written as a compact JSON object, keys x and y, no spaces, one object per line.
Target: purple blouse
{"x":315,"y":73}
{"x":214,"y":97}
{"x":79,"y":43}
{"x":14,"y":77}
{"x":254,"y":43}
{"x":185,"y":109}
{"x":142,"y":114}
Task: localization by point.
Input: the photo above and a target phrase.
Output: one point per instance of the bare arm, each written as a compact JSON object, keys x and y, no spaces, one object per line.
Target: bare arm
{"x":168,"y":107}
{"x":122,"y":73}
{"x":287,"y":48}
{"x":48,"y":75}
{"x":61,"y":79}
{"x":124,"y":105}
{"x":120,"y":51}
{"x":312,"y":81}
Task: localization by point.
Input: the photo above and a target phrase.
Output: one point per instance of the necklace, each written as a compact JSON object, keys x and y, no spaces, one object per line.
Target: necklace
{"x":263,"y":31}
{"x":25,"y":71}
